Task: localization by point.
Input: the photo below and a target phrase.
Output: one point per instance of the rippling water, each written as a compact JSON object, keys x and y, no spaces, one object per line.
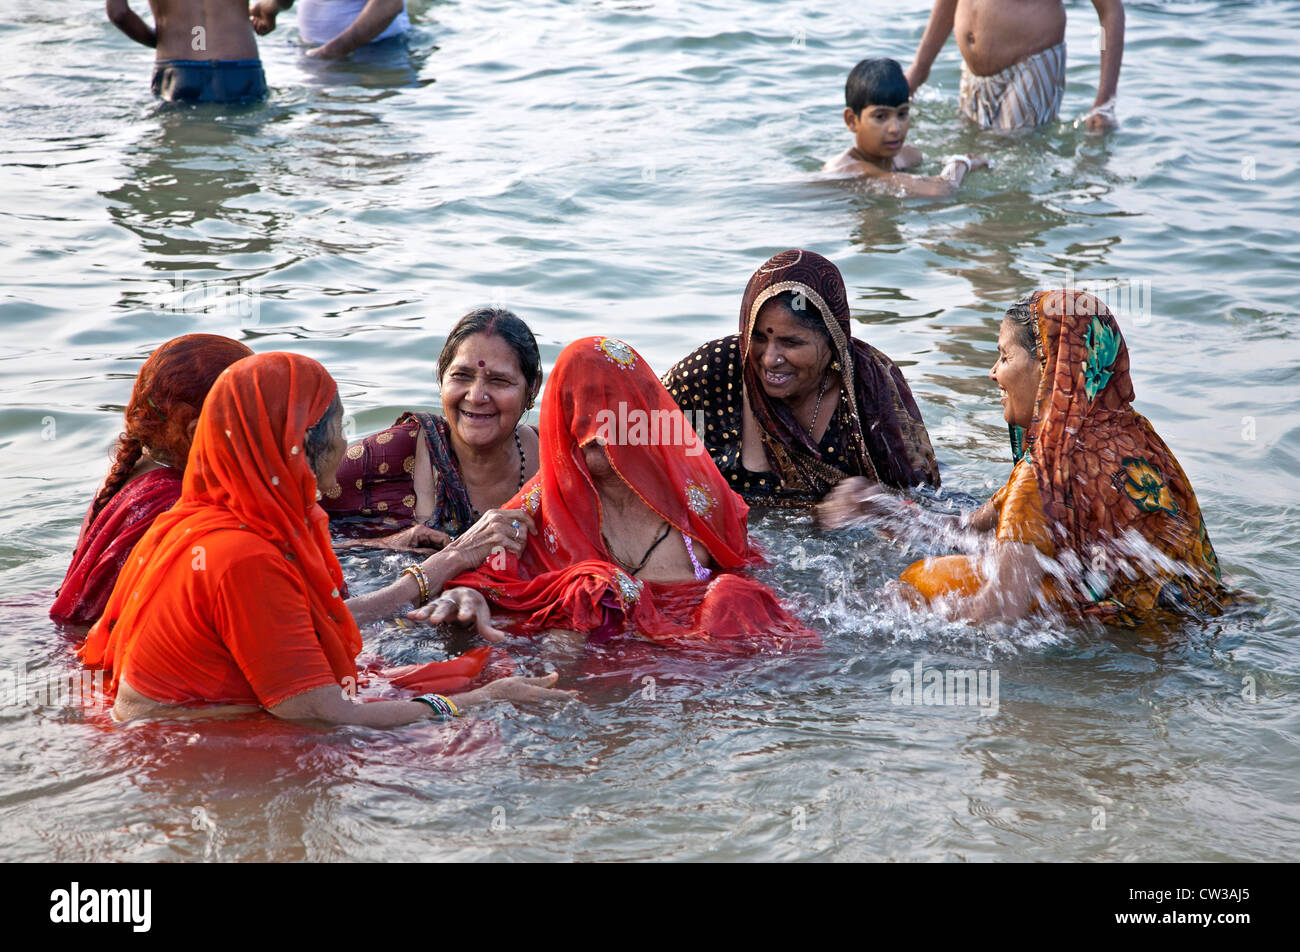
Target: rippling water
{"x":622,"y":168}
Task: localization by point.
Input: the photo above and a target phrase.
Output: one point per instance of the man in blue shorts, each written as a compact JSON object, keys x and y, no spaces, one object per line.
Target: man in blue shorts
{"x":207,"y":51}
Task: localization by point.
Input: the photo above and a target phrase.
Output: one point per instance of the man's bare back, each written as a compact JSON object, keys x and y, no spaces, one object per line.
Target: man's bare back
{"x":995,"y":34}
{"x":190,"y":29}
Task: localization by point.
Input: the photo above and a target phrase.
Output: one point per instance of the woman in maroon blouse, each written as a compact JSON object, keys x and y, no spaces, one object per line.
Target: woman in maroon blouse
{"x":433,"y":477}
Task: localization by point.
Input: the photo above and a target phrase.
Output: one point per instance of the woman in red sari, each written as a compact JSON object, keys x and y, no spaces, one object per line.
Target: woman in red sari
{"x":145,"y":480}
{"x":234,"y":600}
{"x":635,"y":530}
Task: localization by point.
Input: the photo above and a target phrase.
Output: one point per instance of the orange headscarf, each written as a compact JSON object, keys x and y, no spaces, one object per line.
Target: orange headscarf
{"x":1094,"y":487}
{"x":566,"y":578}
{"x":1121,"y":510}
{"x":247,"y":470}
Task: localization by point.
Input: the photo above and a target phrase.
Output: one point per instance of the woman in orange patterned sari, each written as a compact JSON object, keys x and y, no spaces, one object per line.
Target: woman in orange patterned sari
{"x":1097,"y":516}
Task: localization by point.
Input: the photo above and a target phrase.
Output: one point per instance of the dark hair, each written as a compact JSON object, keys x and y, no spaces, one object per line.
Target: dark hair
{"x":506,"y":325}
{"x":1021,"y":315}
{"x":876,"y":82}
{"x":317,"y":439}
{"x":805,"y":312}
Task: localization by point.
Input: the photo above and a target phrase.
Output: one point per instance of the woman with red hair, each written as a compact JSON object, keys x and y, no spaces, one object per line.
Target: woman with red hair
{"x":145,"y":479}
{"x":635,"y":532}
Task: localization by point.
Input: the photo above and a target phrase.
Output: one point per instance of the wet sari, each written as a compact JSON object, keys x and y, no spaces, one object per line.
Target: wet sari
{"x":165,"y":402}
{"x":566,"y":577}
{"x":235,"y":595}
{"x":1094,"y":487}
{"x":106,"y":539}
{"x":876,"y":431}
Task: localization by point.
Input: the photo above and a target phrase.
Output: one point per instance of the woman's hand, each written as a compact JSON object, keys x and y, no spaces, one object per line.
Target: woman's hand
{"x":497,"y":531}
{"x":463,"y":606}
{"x":852,"y":499}
{"x":523,"y":689}
{"x":418,"y":536}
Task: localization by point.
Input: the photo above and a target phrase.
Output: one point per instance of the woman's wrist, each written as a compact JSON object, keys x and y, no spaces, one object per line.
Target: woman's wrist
{"x":469,"y":698}
{"x":448,"y":563}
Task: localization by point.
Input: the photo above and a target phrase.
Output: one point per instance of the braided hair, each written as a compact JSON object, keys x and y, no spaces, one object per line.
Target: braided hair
{"x":165,"y":403}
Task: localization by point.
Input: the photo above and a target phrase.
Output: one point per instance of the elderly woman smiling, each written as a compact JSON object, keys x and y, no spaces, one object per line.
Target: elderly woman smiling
{"x":1097,"y":516}
{"x":794,"y":403}
{"x":449,"y":475}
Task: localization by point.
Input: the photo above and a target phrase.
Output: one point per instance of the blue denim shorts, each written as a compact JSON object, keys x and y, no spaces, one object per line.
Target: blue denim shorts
{"x":209,"y":80}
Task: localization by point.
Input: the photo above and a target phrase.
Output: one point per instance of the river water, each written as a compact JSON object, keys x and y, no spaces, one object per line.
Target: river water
{"x":621,"y":168}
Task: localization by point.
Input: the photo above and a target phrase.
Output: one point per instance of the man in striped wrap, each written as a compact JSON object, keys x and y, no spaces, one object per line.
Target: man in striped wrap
{"x":1013,"y":59}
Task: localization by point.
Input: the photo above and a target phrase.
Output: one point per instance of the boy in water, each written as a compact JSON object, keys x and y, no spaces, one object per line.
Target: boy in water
{"x":206,"y":48}
{"x":1013,"y":59}
{"x":878,"y":111}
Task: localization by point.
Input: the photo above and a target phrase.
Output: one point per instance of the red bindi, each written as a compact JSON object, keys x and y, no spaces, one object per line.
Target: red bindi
{"x":481,"y":364}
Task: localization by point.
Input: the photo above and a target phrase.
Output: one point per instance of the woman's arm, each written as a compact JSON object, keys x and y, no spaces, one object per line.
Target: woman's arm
{"x":405,"y":592}
{"x":332,"y":705}
{"x":858,"y":499}
{"x":373,"y":19}
{"x":499,"y":531}
{"x":1010,"y":590}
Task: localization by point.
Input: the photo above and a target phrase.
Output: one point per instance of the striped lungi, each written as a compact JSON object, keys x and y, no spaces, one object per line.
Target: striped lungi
{"x":1024,"y":94}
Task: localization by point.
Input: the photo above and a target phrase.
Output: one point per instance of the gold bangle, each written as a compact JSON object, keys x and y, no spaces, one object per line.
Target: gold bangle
{"x":418,"y":574}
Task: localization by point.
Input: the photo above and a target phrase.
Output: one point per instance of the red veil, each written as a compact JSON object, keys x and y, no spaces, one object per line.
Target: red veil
{"x":566,"y":578}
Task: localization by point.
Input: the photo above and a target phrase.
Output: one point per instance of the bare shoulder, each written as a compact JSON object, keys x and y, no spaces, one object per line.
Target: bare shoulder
{"x":527,"y":434}
{"x":909,"y":157}
{"x":844,"y":164}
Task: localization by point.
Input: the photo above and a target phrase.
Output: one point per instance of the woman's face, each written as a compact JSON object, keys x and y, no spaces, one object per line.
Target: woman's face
{"x":788,"y":358}
{"x":597,"y":461}
{"x":483,"y":391}
{"x":1017,"y":373}
{"x":327,"y":464}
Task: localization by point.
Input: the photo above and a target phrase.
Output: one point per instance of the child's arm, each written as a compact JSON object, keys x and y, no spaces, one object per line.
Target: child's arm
{"x":943,"y":185}
{"x":129,"y":22}
{"x":1111,"y":15}
{"x":936,"y":34}
{"x":373,"y":19}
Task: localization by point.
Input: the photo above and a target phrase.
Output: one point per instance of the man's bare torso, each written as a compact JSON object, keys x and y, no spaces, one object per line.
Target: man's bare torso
{"x":204,"y":29}
{"x":994,"y":34}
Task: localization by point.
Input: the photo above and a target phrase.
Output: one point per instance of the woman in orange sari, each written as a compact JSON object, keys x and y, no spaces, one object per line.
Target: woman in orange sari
{"x":1097,"y":516}
{"x":234,"y":600}
{"x":636,"y":531}
{"x":145,"y":479}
